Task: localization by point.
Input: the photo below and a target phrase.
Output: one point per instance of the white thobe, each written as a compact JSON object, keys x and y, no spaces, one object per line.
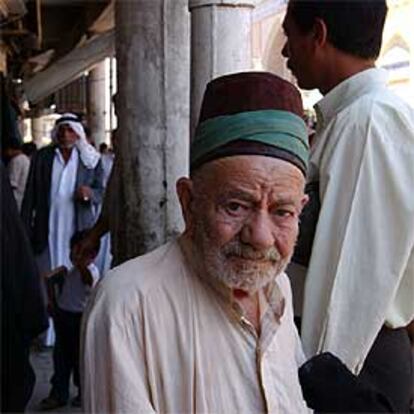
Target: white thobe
{"x":157,"y":338}
{"x":62,"y":208}
{"x":361,"y":272}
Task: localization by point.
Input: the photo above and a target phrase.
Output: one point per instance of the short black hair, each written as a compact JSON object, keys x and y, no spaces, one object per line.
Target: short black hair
{"x":354,"y":26}
{"x":29,"y":148}
{"x":79,"y":236}
{"x":103,"y":146}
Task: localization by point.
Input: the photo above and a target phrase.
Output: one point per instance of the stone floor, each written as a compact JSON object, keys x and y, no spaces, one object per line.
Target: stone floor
{"x":43,"y":366}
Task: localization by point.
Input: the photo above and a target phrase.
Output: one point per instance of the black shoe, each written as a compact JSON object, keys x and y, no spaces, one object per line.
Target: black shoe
{"x":50,"y":403}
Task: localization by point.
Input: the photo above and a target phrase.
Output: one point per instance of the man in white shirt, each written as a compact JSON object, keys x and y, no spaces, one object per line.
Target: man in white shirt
{"x":204,"y":323}
{"x":18,"y":170}
{"x":360,"y":279}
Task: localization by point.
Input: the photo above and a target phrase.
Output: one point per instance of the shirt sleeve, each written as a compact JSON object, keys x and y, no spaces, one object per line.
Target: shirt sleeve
{"x":113,"y":364}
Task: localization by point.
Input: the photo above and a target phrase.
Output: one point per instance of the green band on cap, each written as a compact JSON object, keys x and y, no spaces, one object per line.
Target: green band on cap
{"x":281,"y":129}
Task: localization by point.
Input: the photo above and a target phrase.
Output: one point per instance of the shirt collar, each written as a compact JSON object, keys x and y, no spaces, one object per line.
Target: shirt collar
{"x":60,"y":156}
{"x":348,"y":91}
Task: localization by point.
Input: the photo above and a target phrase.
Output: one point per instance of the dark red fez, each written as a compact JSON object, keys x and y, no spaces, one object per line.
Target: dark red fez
{"x":249,"y":91}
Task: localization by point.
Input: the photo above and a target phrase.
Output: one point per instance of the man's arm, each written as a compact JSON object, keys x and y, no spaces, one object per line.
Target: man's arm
{"x":97,"y":186}
{"x":101,"y":227}
{"x":94,"y":192}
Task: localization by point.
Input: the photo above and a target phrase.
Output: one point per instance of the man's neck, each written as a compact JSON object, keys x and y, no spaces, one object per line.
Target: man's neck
{"x":343,"y":67}
{"x":66,"y":153}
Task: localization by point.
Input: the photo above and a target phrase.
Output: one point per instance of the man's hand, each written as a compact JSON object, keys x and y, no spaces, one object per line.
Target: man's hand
{"x":83,"y":193}
{"x":85,"y":248}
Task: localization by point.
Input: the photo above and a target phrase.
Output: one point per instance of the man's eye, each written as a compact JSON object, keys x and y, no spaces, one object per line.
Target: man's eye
{"x":235,"y":208}
{"x":280,"y":212}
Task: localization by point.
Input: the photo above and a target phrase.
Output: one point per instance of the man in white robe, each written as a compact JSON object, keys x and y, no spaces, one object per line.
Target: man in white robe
{"x":63,"y":192}
{"x":204,"y":323}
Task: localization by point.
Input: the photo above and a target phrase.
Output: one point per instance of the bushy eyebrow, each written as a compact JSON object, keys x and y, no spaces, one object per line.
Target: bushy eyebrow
{"x":237,"y":194}
{"x":280,"y":201}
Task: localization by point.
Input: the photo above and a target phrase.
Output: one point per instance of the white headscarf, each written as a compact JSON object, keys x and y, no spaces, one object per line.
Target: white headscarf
{"x":88,"y":154}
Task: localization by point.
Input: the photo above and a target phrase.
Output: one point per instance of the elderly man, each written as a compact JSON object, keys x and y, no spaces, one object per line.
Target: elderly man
{"x":360,"y":279}
{"x":63,"y":191}
{"x":64,"y":188}
{"x":204,"y":323}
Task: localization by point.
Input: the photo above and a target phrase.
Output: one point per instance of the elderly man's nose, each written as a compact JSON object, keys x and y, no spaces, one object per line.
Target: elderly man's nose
{"x":258,"y":232}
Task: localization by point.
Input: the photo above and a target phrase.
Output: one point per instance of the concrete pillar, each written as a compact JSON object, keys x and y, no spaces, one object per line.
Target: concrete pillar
{"x":220,"y":43}
{"x":37,"y":131}
{"x":96,"y":102}
{"x":152,"y":49}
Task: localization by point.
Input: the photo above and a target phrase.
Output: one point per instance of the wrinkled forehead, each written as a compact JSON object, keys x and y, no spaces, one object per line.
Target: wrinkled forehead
{"x":248,"y":171}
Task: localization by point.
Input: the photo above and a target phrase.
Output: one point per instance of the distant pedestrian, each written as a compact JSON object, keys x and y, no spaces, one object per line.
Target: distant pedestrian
{"x":63,"y":194}
{"x":18,"y":169}
{"x":67,"y":309}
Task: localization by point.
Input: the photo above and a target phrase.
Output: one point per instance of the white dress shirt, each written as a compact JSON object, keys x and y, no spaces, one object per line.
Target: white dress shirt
{"x":361,"y":273}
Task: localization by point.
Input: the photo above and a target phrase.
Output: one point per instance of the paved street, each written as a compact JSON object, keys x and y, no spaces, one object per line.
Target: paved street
{"x":43,"y":366}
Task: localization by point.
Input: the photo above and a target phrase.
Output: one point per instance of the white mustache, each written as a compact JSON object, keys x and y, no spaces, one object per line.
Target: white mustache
{"x":247,"y":252}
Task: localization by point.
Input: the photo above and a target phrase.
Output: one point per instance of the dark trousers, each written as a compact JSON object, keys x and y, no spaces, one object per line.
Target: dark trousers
{"x":66,"y":353}
{"x":389,"y":367}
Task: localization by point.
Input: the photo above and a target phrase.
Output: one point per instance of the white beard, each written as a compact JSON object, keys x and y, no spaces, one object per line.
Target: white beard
{"x":238,"y":265}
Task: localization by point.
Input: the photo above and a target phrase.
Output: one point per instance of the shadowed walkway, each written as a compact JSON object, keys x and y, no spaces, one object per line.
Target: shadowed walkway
{"x":43,"y":366}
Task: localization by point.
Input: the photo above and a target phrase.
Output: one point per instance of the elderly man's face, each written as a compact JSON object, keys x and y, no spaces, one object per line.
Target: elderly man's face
{"x":66,"y":136}
{"x":243,"y":218}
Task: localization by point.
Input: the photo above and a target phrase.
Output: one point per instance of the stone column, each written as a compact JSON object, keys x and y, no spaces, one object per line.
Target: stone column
{"x":220,"y":43}
{"x":96,"y":102}
{"x":37,"y":131}
{"x":152,"y":49}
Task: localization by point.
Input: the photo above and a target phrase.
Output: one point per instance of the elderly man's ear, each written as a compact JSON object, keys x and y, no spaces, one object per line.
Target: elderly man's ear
{"x":304,"y":201}
{"x":186,"y":197}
